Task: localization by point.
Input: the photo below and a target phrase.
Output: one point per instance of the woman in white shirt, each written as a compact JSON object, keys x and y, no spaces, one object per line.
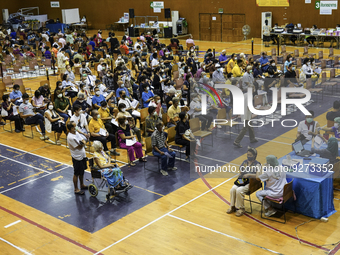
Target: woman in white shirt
{"x":70,"y":74}
{"x":81,"y":123}
{"x":54,"y":122}
{"x":275,"y":177}
{"x":70,"y":89}
{"x":307,"y":70}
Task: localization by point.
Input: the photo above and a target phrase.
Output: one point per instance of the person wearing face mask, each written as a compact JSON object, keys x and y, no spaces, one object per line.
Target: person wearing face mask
{"x":332,"y":150}
{"x":160,"y":148}
{"x":122,"y":112}
{"x":272,"y":69}
{"x":128,"y":105}
{"x":223,"y":59}
{"x":157,"y":82}
{"x":249,"y":167}
{"x":288,"y":61}
{"x":85,"y":68}
{"x":290,"y":77}
{"x":106,"y":117}
{"x":121,"y":87}
{"x":98,"y":132}
{"x":182,"y":139}
{"x":307,"y":129}
{"x":38,"y":102}
{"x":85,"y":107}
{"x":124,"y":132}
{"x":335,"y":129}
{"x":98,"y":98}
{"x":147,"y":95}
{"x":237,"y":71}
{"x":81,"y":123}
{"x":306,"y":71}
{"x":69,"y":88}
{"x":151,"y":120}
{"x":62,"y":105}
{"x":8,"y":106}
{"x":248,"y":78}
{"x":195,"y":112}
{"x":275,"y":178}
{"x":59,"y":86}
{"x":218,"y":76}
{"x":191,"y":62}
{"x":108,"y":80}
{"x":264,"y":61}
{"x":103,"y":70}
{"x":173,"y":113}
{"x":54,"y":122}
{"x":26,"y":112}
{"x":61,"y":60}
{"x":232,"y":62}
{"x":16,"y":95}
{"x":70,"y":74}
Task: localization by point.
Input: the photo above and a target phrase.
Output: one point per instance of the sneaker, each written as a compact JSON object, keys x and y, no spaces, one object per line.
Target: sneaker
{"x":58,"y":142}
{"x":270,"y":213}
{"x":231,"y":210}
{"x":172,"y":168}
{"x":44,"y":137}
{"x":17,"y":131}
{"x":240,"y":212}
{"x":2,"y":123}
{"x":114,"y":152}
{"x":254,"y":141}
{"x":163,"y":172}
{"x":237,"y":145}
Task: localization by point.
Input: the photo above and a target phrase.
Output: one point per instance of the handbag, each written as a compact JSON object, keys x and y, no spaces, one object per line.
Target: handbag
{"x":4,"y":113}
{"x":188,"y":134}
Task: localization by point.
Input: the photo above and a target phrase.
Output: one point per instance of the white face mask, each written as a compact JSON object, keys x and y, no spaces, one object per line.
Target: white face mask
{"x":235,"y":58}
{"x":26,"y":101}
{"x":336,"y":125}
{"x":308,"y":63}
{"x":60,"y":95}
{"x":273,"y":64}
{"x":98,"y":116}
{"x":77,"y":128}
{"x":50,"y":107}
{"x":126,"y":122}
{"x":158,"y":101}
{"x":123,"y":110}
{"x":97,"y":93}
{"x":189,"y":70}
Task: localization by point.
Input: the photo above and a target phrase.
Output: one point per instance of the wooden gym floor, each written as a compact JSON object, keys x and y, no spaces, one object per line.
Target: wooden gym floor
{"x":189,"y":220}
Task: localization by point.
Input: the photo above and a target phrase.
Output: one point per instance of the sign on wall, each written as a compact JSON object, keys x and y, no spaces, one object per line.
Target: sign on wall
{"x":159,"y":5}
{"x":272,"y":3}
{"x":326,"y":7}
{"x":55,"y":4}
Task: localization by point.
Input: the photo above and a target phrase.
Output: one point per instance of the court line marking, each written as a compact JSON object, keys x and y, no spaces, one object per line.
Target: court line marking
{"x":161,"y":217}
{"x":16,"y":247}
{"x":13,"y":223}
{"x":49,"y":230}
{"x":49,"y":173}
{"x":25,"y":164}
{"x":224,"y":234}
{"x":261,"y":222}
{"x":148,"y":191}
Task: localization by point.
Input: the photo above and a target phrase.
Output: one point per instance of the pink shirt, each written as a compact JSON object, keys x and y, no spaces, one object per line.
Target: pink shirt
{"x":190,"y":41}
{"x":38,"y":101}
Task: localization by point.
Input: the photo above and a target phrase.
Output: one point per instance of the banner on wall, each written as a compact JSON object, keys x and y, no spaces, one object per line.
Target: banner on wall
{"x":159,"y":5}
{"x":272,"y":3}
{"x":326,"y":7}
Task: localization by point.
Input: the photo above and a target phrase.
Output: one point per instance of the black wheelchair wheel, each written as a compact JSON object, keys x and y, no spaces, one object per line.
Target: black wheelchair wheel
{"x":93,"y":190}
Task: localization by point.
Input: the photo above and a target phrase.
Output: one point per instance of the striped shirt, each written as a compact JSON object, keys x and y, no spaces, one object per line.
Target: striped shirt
{"x":158,"y":139}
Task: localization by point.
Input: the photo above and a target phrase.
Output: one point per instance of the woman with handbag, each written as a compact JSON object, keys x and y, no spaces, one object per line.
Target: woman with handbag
{"x":7,"y":113}
{"x":54,"y":122}
{"x":241,"y":184}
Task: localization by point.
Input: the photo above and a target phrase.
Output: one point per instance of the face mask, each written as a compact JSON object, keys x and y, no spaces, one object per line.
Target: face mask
{"x":336,"y":125}
{"x":80,"y":101}
{"x":189,"y":70}
{"x":69,"y":70}
{"x":122,"y":86}
{"x":251,"y":158}
{"x":123,"y":110}
{"x":259,"y":66}
{"x":250,"y":71}
{"x":76,"y":128}
{"x":60,"y":86}
{"x":158,"y":101}
{"x":147,"y":89}
{"x":235,"y":58}
{"x":273,"y":64}
{"x":103,"y":67}
{"x":98,"y":116}
{"x":50,"y":107}
{"x":104,"y":108}
{"x":290,"y":60}
{"x":309,"y":120}
{"x":164,"y":76}
{"x":293,"y":68}
{"x":308,"y":63}
{"x":26,"y":101}
{"x":60,"y":95}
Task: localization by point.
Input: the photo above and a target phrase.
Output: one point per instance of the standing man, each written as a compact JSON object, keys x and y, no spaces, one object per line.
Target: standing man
{"x":246,"y":118}
{"x":78,"y":154}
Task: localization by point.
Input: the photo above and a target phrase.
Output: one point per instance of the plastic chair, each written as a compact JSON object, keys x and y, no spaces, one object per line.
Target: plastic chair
{"x":149,"y":153}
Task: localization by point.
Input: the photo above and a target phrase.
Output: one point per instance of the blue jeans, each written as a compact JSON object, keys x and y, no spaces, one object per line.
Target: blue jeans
{"x":164,"y":159}
{"x":64,"y":115}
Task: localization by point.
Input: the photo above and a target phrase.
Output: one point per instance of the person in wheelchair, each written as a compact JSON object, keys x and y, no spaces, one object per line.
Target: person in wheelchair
{"x":112,"y":173}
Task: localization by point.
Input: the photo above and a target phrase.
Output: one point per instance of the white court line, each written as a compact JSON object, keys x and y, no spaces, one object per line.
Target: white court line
{"x":13,"y":223}
{"x":24,"y":164}
{"x":24,"y":183}
{"x":265,"y":139}
{"x":221,"y":233}
{"x":16,"y":247}
{"x":161,"y":217}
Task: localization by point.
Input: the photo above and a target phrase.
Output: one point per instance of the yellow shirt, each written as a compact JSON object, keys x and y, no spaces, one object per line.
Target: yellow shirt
{"x":237,"y":71}
{"x":230,"y":65}
{"x":173,"y":113}
{"x":96,"y":125}
{"x":104,"y":113}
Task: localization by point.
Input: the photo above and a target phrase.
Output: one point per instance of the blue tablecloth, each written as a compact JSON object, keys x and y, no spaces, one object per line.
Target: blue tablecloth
{"x":308,"y":146}
{"x":54,"y":27}
{"x":314,"y":194}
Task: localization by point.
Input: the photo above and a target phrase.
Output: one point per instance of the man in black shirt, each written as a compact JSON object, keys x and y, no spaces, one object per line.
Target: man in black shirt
{"x":167,"y":59}
{"x":290,"y":77}
{"x":45,"y":91}
{"x":114,"y":42}
{"x":335,"y":113}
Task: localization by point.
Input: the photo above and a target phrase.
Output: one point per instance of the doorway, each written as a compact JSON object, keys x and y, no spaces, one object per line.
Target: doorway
{"x":221,"y":27}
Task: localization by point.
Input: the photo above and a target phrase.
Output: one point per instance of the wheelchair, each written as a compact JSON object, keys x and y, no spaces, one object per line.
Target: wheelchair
{"x":99,"y":183}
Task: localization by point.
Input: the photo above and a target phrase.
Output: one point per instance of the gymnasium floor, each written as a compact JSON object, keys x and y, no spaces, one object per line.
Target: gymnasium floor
{"x":183,"y":213}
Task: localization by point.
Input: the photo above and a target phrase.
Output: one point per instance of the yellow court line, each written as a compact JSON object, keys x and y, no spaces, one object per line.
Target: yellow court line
{"x":149,"y":191}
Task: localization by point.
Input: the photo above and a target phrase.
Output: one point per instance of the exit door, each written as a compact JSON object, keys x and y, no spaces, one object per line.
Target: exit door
{"x":221,"y":27}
